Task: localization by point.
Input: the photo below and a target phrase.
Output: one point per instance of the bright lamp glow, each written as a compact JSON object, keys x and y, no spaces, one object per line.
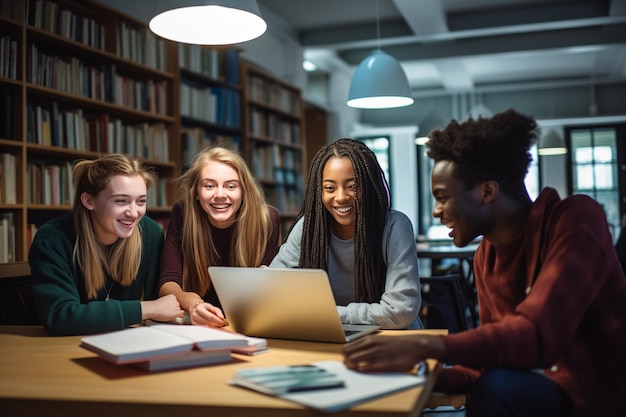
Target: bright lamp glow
{"x":378,"y":83}
{"x":308,"y":66}
{"x":208,"y":22}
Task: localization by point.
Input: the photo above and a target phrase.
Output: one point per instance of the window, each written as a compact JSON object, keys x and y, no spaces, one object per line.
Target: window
{"x":532,"y":182}
{"x":380,"y":146}
{"x":429,"y":226}
{"x":594,"y":169}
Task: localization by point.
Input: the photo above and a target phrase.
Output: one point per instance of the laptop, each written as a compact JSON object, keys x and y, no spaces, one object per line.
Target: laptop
{"x":282,"y":303}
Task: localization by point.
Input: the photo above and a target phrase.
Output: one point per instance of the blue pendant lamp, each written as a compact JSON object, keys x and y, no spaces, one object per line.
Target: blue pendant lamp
{"x":379,"y":81}
{"x":208,"y":22}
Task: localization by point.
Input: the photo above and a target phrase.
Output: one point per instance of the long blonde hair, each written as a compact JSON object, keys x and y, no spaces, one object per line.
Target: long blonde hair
{"x":252,"y":227}
{"x":122,"y":261}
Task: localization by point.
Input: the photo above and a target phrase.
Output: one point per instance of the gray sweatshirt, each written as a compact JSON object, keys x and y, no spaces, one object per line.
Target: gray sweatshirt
{"x":401,"y":300}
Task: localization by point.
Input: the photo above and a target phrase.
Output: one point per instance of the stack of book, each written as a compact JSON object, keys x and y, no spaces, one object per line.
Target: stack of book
{"x":168,"y":346}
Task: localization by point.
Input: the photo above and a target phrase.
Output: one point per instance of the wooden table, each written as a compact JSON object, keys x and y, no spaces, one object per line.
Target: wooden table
{"x":53,"y":376}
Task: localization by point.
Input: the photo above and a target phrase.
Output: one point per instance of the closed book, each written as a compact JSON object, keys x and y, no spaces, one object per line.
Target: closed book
{"x":187,"y":360}
{"x":255,"y":346}
{"x":144,"y":343}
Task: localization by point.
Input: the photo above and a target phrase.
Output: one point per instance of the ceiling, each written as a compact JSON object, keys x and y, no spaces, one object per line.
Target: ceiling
{"x":464,"y":45}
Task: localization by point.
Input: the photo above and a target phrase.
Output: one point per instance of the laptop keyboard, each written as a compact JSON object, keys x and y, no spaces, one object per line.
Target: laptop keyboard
{"x":350,"y":332}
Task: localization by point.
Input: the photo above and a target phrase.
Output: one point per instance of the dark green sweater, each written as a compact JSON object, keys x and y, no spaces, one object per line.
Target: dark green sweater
{"x":59,"y":290}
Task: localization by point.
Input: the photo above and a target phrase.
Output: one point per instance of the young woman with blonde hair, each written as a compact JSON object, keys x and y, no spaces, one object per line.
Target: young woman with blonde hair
{"x":95,"y":269}
{"x":221,"y":219}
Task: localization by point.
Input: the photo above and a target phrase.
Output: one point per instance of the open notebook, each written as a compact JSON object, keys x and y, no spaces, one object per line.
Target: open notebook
{"x":282,"y":303}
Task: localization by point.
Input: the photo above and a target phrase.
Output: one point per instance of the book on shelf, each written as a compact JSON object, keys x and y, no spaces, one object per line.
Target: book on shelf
{"x":8,"y":168}
{"x":160,"y":341}
{"x":350,"y":387}
{"x":7,"y":237}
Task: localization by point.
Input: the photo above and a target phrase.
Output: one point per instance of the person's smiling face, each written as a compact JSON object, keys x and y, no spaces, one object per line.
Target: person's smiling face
{"x":458,"y":208}
{"x":339,"y":192}
{"x":117,"y":209}
{"x":220,"y":194}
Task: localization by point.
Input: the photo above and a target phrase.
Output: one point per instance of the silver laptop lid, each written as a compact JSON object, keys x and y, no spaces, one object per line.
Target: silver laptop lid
{"x":281,"y":303}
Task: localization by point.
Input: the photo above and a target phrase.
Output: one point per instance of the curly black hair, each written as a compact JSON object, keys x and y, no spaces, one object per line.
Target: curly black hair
{"x":371,"y":209}
{"x":488,"y":149}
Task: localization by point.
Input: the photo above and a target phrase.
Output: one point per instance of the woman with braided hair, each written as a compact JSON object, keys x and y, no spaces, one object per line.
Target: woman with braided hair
{"x":347,"y":228}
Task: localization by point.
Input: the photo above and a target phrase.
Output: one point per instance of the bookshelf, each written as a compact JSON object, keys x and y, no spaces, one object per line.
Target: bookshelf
{"x":78,"y":79}
{"x":209,"y":98}
{"x":273,"y":138}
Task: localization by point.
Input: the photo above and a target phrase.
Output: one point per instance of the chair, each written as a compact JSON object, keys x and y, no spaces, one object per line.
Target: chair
{"x":17,"y":306}
{"x":443,"y":303}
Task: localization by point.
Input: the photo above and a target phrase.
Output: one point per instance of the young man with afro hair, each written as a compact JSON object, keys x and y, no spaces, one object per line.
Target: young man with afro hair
{"x":551,"y":291}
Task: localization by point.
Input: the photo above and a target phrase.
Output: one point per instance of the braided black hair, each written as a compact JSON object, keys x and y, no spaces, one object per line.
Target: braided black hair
{"x":371,"y":209}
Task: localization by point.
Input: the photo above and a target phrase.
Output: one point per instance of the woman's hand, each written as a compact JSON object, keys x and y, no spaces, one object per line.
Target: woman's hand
{"x":391,"y":353}
{"x":207,"y":314}
{"x":164,"y":309}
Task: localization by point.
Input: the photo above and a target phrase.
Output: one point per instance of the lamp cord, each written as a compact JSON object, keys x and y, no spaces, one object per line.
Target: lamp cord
{"x":378,"y":24}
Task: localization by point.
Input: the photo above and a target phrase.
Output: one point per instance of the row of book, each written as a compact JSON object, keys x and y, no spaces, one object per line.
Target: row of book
{"x":7,"y":234}
{"x":218,"y":105}
{"x":195,"y":139}
{"x":51,"y":184}
{"x":264,"y":91}
{"x":73,"y":129}
{"x":99,"y":82}
{"x":216,"y":64}
{"x":49,"y":16}
{"x":10,"y":8}
{"x":8,"y":174}
{"x":287,"y":199}
{"x":267,"y":161}
{"x":267,"y":124}
{"x":7,"y":238}
{"x":8,"y":57}
{"x":141,"y":45}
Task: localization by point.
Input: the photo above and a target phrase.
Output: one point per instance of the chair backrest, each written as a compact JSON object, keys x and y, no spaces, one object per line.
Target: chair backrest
{"x":443,"y":303}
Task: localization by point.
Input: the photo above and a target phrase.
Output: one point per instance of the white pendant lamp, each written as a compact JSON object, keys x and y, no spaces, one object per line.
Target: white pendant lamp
{"x":208,"y":22}
{"x":551,"y":144}
{"x":379,"y":81}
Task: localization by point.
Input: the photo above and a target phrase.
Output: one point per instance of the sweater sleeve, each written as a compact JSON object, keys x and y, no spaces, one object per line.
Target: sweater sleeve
{"x":172,"y":259}
{"x":274,"y":240}
{"x":572,"y":270}
{"x":149,"y":270}
{"x":401,"y":301}
{"x":59,"y":291}
{"x":289,"y":253}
